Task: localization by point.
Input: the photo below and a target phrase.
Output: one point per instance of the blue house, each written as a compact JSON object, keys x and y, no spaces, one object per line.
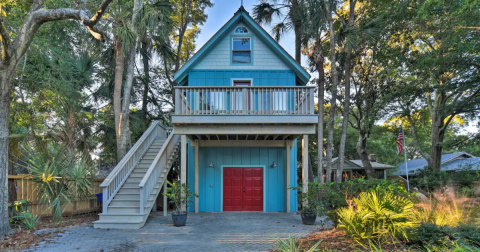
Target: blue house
{"x":452,"y":162}
{"x":241,"y":108}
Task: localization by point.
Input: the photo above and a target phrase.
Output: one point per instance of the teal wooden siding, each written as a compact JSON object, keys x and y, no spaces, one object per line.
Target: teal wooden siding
{"x":210,"y":179}
{"x":224,"y":77}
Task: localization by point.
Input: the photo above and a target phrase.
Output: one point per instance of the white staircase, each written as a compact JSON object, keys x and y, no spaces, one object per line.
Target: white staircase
{"x":130,"y":190}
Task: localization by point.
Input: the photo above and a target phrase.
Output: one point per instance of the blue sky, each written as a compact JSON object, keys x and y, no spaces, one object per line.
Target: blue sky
{"x":222,"y":11}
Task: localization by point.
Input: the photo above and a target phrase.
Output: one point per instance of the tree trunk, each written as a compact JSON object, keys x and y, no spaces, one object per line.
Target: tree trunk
{"x":346,"y":106}
{"x":117,"y":96}
{"x":298,"y":43}
{"x":146,"y":80}
{"x":362,"y":152}
{"x":346,"y":115}
{"x":334,"y":92}
{"x":438,"y":135}
{"x":321,"y":97}
{"x":124,"y":129}
{"x":7,"y":71}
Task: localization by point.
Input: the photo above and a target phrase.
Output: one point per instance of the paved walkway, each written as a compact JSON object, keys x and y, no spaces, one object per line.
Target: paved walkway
{"x":229,"y":231}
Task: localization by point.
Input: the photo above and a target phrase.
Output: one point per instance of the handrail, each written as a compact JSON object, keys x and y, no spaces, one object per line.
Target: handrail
{"x":154,"y":171}
{"x":155,"y":161}
{"x":240,"y":100}
{"x":124,"y":168}
{"x":125,"y":158}
{"x":240,"y":87}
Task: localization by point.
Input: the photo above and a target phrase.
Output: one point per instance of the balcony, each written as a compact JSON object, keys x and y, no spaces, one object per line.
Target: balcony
{"x":245,"y":107}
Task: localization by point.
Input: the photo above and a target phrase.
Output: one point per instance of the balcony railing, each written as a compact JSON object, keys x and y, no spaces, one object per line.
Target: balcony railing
{"x":244,"y":100}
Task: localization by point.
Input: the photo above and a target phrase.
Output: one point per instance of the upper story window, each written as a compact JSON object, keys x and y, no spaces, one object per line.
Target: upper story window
{"x":241,"y":30}
{"x":241,"y":50}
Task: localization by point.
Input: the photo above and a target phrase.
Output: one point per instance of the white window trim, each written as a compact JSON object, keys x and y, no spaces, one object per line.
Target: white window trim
{"x":232,"y":80}
{"x":234,"y":31}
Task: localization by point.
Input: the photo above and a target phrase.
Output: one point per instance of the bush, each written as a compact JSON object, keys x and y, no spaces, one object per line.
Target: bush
{"x":336,"y":195}
{"x":60,"y":178}
{"x":431,"y":179}
{"x":431,"y":237}
{"x":291,"y":245}
{"x":26,"y":220}
{"x":377,"y":216}
{"x":312,"y":201}
{"x":444,"y":211}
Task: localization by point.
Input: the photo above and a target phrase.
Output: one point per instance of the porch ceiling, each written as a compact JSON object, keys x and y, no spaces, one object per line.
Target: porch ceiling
{"x":244,"y":138}
{"x":243,"y":130}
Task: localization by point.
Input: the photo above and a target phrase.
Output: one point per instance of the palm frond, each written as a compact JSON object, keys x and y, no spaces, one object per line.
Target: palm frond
{"x":264,"y":12}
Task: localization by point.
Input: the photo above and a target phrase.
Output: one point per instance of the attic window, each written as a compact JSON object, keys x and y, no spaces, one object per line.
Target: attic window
{"x":241,"y":50}
{"x":241,"y":30}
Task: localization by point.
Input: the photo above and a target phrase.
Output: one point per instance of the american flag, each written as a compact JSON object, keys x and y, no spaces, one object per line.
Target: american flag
{"x":400,"y":142}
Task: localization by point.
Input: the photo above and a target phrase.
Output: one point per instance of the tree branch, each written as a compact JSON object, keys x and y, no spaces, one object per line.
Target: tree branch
{"x":5,"y":40}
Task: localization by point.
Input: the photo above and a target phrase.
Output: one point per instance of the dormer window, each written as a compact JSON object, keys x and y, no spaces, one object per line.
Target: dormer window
{"x":241,"y":50}
{"x":241,"y":30}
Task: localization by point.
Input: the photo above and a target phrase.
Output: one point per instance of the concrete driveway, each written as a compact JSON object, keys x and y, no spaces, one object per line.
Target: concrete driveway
{"x":228,"y":231}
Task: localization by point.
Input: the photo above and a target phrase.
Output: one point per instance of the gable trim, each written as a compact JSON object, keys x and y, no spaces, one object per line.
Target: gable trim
{"x":300,"y":73}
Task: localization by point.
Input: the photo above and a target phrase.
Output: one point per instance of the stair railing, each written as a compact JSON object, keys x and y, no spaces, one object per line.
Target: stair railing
{"x":155,"y":170}
{"x":120,"y":173}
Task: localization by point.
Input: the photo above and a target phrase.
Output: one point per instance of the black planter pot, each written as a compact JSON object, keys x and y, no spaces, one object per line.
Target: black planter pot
{"x":309,"y":218}
{"x":179,"y":219}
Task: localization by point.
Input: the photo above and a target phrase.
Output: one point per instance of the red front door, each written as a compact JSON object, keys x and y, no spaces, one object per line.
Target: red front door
{"x":242,"y":189}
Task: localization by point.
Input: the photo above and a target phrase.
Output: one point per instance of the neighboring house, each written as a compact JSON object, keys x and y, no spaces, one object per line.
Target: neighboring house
{"x":355,"y":169}
{"x":458,"y":161}
{"x":240,"y":107}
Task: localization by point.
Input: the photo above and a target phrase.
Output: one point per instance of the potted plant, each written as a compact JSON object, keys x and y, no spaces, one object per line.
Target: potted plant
{"x":179,"y":194}
{"x":311,"y":205}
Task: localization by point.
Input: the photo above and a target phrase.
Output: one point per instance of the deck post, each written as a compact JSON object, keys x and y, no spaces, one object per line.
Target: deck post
{"x":165,"y":203}
{"x":196,"y":176}
{"x":305,"y":164}
{"x":287,"y":146}
{"x":183,"y":166}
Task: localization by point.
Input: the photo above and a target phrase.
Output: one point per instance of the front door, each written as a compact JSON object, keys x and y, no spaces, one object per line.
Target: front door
{"x":242,"y":189}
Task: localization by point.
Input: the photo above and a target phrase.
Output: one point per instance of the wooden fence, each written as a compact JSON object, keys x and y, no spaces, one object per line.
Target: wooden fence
{"x":23,"y":187}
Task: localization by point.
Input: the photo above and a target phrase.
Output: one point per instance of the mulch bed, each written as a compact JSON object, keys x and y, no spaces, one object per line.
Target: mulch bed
{"x":335,"y":240}
{"x":21,"y":238}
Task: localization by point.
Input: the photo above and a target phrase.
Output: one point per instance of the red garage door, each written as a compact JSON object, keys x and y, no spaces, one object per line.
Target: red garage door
{"x":242,"y":189}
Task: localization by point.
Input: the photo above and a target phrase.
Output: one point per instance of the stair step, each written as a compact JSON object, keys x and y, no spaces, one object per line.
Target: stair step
{"x":140,"y":169}
{"x":123,"y":209}
{"x":122,"y":217}
{"x":118,"y":224}
{"x":133,"y":180}
{"x":137,"y":174}
{"x":130,"y":185}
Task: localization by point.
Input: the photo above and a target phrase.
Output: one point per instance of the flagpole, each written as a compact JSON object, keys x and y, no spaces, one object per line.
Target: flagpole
{"x":406,"y":164}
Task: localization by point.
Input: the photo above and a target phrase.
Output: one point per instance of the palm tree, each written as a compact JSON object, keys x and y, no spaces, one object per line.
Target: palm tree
{"x":268,"y":9}
{"x":314,"y":30}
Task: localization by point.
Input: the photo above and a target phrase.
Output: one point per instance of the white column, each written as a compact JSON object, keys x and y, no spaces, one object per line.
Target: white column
{"x":305,"y":163}
{"x":183,"y":165}
{"x":287,"y":144}
{"x":196,"y":176}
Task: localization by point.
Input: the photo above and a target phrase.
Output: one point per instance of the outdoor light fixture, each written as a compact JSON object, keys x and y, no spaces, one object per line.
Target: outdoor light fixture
{"x":273,"y":165}
{"x":211,"y":165}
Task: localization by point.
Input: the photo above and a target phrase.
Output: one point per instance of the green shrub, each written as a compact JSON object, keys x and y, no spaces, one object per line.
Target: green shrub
{"x":291,"y":245}
{"x":179,"y":194}
{"x":431,"y":237}
{"x":336,"y":195}
{"x":377,"y":216}
{"x":313,"y":200}
{"x":60,"y":178}
{"x":26,"y":220}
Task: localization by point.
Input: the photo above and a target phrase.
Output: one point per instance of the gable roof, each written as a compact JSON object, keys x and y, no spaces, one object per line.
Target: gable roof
{"x":242,"y":16}
{"x":420,"y":163}
{"x":357,"y":164}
